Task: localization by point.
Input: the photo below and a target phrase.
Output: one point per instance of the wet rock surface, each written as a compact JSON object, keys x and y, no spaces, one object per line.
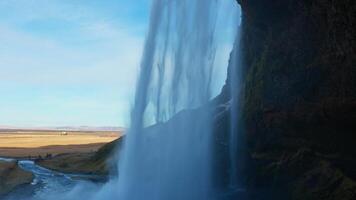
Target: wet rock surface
{"x":298,"y":100}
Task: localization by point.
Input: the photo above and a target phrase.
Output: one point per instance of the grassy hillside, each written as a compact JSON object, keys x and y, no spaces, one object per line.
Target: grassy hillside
{"x":101,"y":162}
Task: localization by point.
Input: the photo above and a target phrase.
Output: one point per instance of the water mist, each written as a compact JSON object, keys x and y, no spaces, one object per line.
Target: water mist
{"x":172,"y":159}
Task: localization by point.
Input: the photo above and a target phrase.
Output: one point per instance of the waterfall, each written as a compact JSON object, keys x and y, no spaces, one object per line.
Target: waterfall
{"x":172,"y":159}
{"x":236,"y":142}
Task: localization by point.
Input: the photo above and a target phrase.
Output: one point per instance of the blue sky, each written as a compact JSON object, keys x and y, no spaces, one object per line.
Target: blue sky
{"x":75,"y":62}
{"x":69,"y":62}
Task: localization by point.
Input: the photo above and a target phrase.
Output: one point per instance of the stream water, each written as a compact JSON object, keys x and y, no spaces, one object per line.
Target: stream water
{"x":45,"y":182}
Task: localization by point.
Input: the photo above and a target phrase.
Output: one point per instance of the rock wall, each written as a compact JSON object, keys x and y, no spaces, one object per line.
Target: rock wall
{"x":299,"y":97}
{"x":300,"y":62}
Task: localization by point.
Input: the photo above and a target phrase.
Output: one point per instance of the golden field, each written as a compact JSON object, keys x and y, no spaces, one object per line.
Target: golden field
{"x":24,"y":143}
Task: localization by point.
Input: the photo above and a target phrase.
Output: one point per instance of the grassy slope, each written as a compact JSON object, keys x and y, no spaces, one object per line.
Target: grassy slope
{"x":100,"y":162}
{"x":12,"y":176}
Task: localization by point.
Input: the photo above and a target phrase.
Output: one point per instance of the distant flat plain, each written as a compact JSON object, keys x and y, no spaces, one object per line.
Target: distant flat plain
{"x":25,"y":143}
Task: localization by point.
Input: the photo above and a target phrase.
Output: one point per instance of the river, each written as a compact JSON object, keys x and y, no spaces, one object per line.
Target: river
{"x":45,"y":182}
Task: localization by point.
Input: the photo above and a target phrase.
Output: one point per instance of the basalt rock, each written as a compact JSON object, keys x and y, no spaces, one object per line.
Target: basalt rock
{"x":299,"y":92}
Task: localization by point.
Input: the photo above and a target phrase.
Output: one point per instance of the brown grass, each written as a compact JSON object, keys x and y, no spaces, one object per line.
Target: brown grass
{"x":74,"y":163}
{"x":34,"y":143}
{"x":12,"y":176}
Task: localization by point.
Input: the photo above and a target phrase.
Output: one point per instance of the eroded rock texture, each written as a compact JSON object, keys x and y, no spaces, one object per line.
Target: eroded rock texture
{"x":299,"y":97}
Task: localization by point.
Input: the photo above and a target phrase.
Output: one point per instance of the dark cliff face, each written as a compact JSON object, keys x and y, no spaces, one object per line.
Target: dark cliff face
{"x":300,"y":61}
{"x":299,"y":96}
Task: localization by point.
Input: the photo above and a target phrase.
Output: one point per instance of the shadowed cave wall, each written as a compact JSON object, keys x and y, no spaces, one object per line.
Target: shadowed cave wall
{"x":298,"y":100}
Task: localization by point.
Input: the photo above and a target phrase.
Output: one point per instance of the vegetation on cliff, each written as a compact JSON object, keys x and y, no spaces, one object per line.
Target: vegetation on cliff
{"x":101,"y":162}
{"x":298,"y":98}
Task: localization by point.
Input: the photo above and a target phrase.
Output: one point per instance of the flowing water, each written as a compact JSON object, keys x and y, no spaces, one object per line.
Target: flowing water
{"x":236,"y":141}
{"x":172,"y":159}
{"x":45,"y":182}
